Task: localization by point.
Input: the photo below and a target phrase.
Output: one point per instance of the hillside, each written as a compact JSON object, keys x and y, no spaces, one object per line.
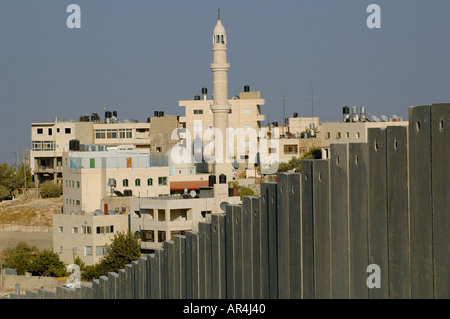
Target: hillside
{"x":33,"y":212}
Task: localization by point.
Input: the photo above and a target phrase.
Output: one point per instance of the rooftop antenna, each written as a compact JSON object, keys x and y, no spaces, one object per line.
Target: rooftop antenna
{"x":218,"y":13}
{"x":312,"y":99}
{"x":284,"y":99}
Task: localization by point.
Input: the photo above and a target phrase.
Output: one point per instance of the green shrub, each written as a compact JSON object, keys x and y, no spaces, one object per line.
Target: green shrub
{"x":50,"y":189}
{"x":48,"y":264}
{"x":19,"y":257}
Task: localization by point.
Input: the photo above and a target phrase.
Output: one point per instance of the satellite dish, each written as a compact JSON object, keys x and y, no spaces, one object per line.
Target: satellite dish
{"x":235,"y":165}
{"x":223,"y":206}
{"x":193,"y":193}
{"x":384,"y":118}
{"x":375,"y":118}
{"x":185,"y":191}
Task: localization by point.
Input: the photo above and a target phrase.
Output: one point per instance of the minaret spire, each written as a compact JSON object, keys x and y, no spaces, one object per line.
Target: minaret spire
{"x":218,"y":14}
{"x":220,"y":106}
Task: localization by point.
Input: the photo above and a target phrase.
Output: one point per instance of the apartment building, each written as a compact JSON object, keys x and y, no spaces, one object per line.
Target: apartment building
{"x":85,"y":235}
{"x":49,"y":141}
{"x":125,"y":171}
{"x":245,"y":113}
{"x":161,"y":218}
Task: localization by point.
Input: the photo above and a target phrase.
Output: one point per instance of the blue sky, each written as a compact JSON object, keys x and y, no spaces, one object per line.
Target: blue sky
{"x":140,"y":56}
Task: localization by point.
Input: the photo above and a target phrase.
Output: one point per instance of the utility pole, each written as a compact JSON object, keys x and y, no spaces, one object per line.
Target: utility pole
{"x":25,"y":173}
{"x":284,"y":100}
{"x":312,"y":99}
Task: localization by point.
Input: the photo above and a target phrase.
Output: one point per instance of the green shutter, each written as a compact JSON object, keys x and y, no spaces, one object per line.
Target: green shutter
{"x":92,"y":163}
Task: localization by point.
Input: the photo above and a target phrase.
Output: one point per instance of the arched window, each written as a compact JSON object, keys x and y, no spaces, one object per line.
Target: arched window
{"x":150,"y":182}
{"x":125,"y":182}
{"x":137,"y":182}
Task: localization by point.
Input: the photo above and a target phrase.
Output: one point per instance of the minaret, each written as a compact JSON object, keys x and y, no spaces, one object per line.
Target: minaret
{"x":220,"y":107}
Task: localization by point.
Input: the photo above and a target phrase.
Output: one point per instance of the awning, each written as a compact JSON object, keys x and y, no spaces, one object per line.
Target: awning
{"x":190,"y":185}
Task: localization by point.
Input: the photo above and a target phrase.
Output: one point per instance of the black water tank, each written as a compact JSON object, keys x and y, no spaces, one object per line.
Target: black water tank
{"x":345,"y":110}
{"x":246,"y":88}
{"x":81,"y":118}
{"x":156,"y":113}
{"x":295,"y":115}
{"x":114,"y":113}
{"x":222,"y":179}
{"x":74,"y":145}
{"x":161,"y":113}
{"x":275,"y":124}
{"x":197,"y":97}
{"x":108,"y":114}
{"x":211,"y":180}
{"x":204,"y":91}
{"x":127,"y":192}
{"x":148,"y":120}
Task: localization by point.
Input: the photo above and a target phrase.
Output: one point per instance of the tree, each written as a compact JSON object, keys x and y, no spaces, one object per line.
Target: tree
{"x":242,"y":190}
{"x":313,"y":153}
{"x":295,"y":163}
{"x":12,"y":177}
{"x":47,"y":264}
{"x":50,"y":189}
{"x":124,"y":249}
{"x":4,"y":192}
{"x":19,"y":257}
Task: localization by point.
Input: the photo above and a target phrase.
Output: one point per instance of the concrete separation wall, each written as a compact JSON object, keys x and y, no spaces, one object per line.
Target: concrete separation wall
{"x":382,"y":204}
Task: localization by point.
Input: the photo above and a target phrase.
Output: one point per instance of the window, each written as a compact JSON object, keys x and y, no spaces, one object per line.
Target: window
{"x":105,"y":229}
{"x":57,"y":130}
{"x":88,"y":250}
{"x":125,"y":183}
{"x":205,"y":212}
{"x":358,"y":134}
{"x":328,"y":135}
{"x":111,"y":133}
{"x":246,"y":111}
{"x":43,"y":145}
{"x":290,"y":149}
{"x":67,"y":130}
{"x":99,"y":134}
{"x":150,"y":182}
{"x":92,"y":163}
{"x":148,"y":235}
{"x":100,"y":250}
{"x":129,"y":162}
{"x":161,"y":236}
{"x":50,"y":131}
{"x":162,"y":180}
{"x":86,"y":229}
{"x":272,"y":150}
{"x":338,"y":135}
{"x":61,"y":250}
{"x":78,"y":202}
{"x":198,"y":111}
{"x":158,"y":149}
{"x":75,"y":230}
{"x":78,"y":184}
{"x":347,"y":134}
{"x":60,"y":229}
{"x":137,"y":182}
{"x":40,"y":130}
{"x":303,"y":150}
{"x":125,"y":133}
